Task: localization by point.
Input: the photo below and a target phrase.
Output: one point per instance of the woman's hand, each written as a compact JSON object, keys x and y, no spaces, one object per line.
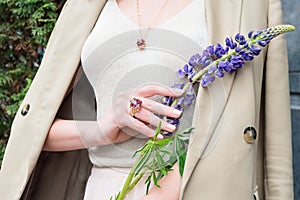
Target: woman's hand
{"x":140,"y":121}
{"x":70,"y":134}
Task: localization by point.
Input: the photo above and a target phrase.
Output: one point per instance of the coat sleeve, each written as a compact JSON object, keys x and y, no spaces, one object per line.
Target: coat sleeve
{"x":278,"y":146}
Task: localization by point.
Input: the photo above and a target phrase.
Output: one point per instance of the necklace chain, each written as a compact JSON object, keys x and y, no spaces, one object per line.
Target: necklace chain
{"x":141,"y":43}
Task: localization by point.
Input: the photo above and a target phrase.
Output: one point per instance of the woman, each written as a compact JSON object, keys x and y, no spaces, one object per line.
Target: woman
{"x":253,"y":154}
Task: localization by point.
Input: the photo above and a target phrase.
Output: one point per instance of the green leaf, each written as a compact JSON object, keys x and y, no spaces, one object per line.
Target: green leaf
{"x":143,"y":160}
{"x":160,"y":161}
{"x":157,"y":131}
{"x":163,"y":150}
{"x":163,"y":141}
{"x":181,"y":163}
{"x":148,"y":182}
{"x":142,"y":149}
{"x":155,"y":180}
{"x":186,"y":131}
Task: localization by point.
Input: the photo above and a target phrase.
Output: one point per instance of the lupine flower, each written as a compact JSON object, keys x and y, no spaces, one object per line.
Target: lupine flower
{"x":186,"y":72}
{"x":207,"y":79}
{"x":237,"y":51}
{"x":216,"y":60}
{"x":195,"y":60}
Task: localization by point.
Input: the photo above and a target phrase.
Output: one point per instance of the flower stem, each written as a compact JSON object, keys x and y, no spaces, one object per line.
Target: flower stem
{"x":126,"y":187}
{"x":136,"y":180}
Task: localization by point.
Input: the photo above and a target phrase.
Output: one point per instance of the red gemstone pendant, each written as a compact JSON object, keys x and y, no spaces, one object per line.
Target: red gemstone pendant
{"x":141,"y":43}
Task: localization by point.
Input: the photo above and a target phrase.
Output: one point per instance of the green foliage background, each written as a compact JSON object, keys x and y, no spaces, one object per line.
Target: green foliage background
{"x":25,"y":26}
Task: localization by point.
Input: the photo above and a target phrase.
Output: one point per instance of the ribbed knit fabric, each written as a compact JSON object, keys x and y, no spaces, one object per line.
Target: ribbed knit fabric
{"x":113,"y":63}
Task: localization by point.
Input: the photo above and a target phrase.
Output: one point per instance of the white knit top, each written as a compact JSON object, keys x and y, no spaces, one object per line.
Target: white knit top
{"x":113,"y":63}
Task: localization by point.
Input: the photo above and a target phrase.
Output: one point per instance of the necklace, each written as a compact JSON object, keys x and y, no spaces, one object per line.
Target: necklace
{"x":141,"y":43}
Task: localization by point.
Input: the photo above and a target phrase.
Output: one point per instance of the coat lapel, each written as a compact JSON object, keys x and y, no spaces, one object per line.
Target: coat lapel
{"x":223,"y":19}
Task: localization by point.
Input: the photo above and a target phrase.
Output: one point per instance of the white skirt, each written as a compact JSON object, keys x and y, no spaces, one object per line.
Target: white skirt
{"x":105,"y":183}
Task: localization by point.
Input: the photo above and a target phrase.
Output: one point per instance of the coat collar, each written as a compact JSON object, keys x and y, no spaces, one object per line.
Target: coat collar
{"x":223,"y":19}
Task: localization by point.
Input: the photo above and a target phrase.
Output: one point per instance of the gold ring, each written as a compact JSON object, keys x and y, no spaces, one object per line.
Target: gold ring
{"x":135,"y":106}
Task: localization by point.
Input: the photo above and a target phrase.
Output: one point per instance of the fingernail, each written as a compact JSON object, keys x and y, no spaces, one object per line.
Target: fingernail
{"x":178,"y":91}
{"x":177,"y":112}
{"x":160,"y":136}
{"x":171,"y":126}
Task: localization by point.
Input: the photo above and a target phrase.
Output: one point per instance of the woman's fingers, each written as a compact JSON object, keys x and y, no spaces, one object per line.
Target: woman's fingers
{"x":146,"y":116}
{"x":159,"y":108}
{"x":148,"y":108}
{"x":158,"y":89}
{"x":139,"y":126}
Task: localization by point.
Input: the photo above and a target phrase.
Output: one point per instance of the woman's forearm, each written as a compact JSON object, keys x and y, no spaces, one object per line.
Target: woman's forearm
{"x":67,"y":135}
{"x":170,"y":187}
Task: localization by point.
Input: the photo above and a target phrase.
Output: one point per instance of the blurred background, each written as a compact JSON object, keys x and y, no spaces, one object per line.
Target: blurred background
{"x":26,"y":25}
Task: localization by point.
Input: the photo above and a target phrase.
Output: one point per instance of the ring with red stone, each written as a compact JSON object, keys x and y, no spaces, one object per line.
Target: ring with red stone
{"x":135,"y":106}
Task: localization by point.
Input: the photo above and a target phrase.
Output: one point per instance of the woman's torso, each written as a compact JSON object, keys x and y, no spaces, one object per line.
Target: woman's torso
{"x":113,"y":63}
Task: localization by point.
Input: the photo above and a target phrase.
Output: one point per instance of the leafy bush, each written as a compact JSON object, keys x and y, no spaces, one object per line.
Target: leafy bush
{"x":25,"y":26}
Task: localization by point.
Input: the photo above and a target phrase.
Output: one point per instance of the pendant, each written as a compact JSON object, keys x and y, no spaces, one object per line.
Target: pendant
{"x":141,"y":43}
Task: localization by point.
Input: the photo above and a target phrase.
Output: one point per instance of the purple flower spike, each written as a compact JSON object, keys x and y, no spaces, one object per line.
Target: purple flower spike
{"x":219,"y":73}
{"x":247,"y":55}
{"x":188,"y":99}
{"x":173,"y":121}
{"x":195,"y":60}
{"x":225,"y":65}
{"x":180,"y":100}
{"x":206,"y":80}
{"x":237,"y":61}
{"x":230,"y":43}
{"x":178,"y":85}
{"x":250,"y":34}
{"x":240,"y":39}
{"x":211,"y":50}
{"x":238,"y":49}
{"x":218,"y":59}
{"x":256,"y":34}
{"x":262,"y":43}
{"x":168,"y":100}
{"x":219,"y":51}
{"x":212,"y":69}
{"x":186,"y":72}
{"x":255,"y":50}
{"x":178,"y":107}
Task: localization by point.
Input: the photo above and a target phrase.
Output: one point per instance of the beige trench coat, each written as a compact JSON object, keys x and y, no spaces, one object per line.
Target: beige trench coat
{"x":220,"y":163}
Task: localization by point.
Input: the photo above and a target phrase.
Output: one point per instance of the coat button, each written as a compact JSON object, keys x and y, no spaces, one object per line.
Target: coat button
{"x":250,"y":135}
{"x":25,"y":109}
